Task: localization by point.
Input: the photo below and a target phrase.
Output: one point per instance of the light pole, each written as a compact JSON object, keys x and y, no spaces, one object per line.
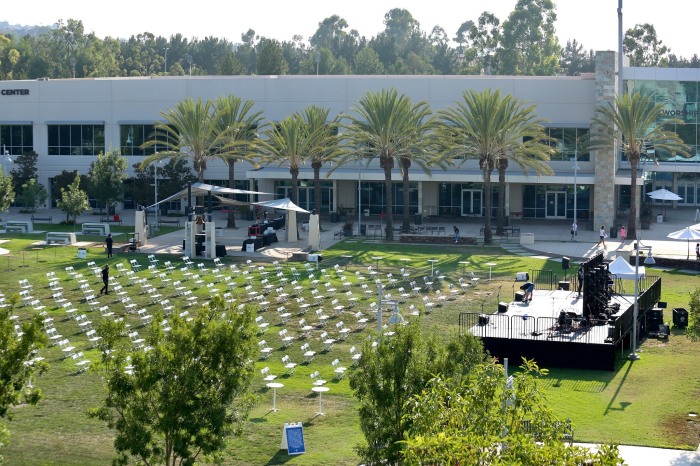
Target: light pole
{"x":648,"y":261}
{"x":189,"y":60}
{"x":72,"y":64}
{"x":575,"y":159}
{"x":318,"y":60}
{"x":359,"y":197}
{"x":6,"y":158}
{"x":166,"y":59}
{"x":155,"y":185}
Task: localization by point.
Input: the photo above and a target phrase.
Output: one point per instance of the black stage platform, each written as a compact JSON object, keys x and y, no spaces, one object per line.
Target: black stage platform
{"x":560,"y":329}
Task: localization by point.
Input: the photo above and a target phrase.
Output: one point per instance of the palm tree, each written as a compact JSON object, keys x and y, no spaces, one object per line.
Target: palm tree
{"x":290,"y":142}
{"x":633,"y":123}
{"x":389,"y":126}
{"x":326,"y":146}
{"x":239,"y":124}
{"x":493,"y":128}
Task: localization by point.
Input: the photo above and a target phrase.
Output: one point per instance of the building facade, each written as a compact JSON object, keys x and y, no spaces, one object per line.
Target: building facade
{"x":68,"y":122}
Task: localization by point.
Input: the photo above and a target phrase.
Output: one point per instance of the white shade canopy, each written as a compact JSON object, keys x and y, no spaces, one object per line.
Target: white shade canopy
{"x":686,"y":233}
{"x":282,"y":204}
{"x":620,"y":268}
{"x":664,"y":195}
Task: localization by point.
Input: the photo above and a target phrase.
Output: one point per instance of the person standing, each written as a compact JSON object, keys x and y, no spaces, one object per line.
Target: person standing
{"x":109,"y":241}
{"x":697,"y":251}
{"x":105,"y":280}
{"x":456,"y":230}
{"x":602,"y":235}
{"x":623,"y":234}
{"x":579,"y":278}
{"x":574,"y":230}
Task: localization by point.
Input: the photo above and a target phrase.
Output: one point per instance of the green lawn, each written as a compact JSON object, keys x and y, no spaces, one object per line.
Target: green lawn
{"x":646,"y":402}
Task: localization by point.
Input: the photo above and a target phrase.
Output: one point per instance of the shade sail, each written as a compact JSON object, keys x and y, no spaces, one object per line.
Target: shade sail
{"x":202,"y":189}
{"x":620,"y":268}
{"x":234,"y":202}
{"x":282,"y":204}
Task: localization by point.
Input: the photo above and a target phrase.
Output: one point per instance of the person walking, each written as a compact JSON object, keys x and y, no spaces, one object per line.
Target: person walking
{"x":456,"y":230}
{"x":574,"y":230}
{"x":105,"y":280}
{"x":109,"y":241}
{"x":623,"y":234}
{"x":602,"y":235}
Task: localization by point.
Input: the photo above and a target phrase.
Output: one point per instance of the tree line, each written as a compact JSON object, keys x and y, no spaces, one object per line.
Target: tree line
{"x":524,"y":43}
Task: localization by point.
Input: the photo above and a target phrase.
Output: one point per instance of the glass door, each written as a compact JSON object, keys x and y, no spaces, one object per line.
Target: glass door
{"x":556,"y":204}
{"x":471,"y":202}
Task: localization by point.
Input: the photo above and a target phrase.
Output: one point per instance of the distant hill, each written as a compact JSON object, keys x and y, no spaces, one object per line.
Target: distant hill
{"x":19,"y":30}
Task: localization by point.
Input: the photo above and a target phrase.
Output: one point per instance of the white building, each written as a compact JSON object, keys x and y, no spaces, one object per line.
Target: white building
{"x":68,"y":122}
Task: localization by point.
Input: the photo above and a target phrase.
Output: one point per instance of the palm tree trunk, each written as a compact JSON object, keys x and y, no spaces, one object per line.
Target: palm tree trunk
{"x":317,"y":189}
{"x":406,"y":164}
{"x":389,"y":196}
{"x":231,"y":217}
{"x":486,"y":173}
{"x":501,"y":213}
{"x":632,"y":221}
{"x":295,"y":184}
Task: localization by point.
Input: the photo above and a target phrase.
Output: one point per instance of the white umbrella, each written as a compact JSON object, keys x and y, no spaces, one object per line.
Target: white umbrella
{"x":664,"y":195}
{"x":686,"y":233}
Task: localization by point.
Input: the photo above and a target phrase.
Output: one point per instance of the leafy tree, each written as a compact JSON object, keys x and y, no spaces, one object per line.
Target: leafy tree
{"x":25,"y":169}
{"x":633,"y":123}
{"x":643,"y":46}
{"x":693,"y":329}
{"x":575,"y":60}
{"x":7,"y":192}
{"x":107,"y":175}
{"x":187,"y":394}
{"x":237,"y":120}
{"x":492,"y":127}
{"x":74,"y":201}
{"x":392,"y":373}
{"x":484,"y":419}
{"x":529,"y":44}
{"x":367,"y":62}
{"x":270,"y":60}
{"x":18,"y":346}
{"x":33,"y":195}
{"x":390,"y":127}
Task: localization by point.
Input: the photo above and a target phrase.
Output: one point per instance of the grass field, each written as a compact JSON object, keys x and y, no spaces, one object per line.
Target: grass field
{"x":646,"y":402}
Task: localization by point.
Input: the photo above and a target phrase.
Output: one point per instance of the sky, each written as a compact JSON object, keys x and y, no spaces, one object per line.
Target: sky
{"x":593,"y":23}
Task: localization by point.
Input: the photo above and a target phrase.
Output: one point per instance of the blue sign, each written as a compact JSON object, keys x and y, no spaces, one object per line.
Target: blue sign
{"x":293,"y":439}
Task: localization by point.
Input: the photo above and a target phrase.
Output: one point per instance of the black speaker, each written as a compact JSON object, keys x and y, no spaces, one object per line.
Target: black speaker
{"x":483,"y":319}
{"x":199,"y":210}
{"x":502,"y":307}
{"x":565,"y":263}
{"x":519,"y":295}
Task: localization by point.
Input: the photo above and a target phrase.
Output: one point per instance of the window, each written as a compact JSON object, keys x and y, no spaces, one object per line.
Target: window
{"x":569,"y":143}
{"x":131,"y":137}
{"x":76,"y":139}
{"x":17,"y":139}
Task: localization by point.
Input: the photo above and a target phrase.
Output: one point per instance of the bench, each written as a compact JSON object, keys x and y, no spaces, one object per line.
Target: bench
{"x":63,"y":237}
{"x":171,"y":221}
{"x":109,"y":220}
{"x":508,"y":230}
{"x":36,"y":218}
{"x":101,"y":229}
{"x":19,"y":226}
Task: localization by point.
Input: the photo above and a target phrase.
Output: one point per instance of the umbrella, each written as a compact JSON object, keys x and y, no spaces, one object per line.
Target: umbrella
{"x":664,"y":195}
{"x":686,"y":233}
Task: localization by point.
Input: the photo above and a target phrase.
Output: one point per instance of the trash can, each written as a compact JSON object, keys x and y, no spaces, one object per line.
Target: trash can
{"x":660,"y":218}
{"x":82,"y":254}
{"x":613,"y":232}
{"x":418,"y":219}
{"x":335,"y":217}
{"x":680,"y":317}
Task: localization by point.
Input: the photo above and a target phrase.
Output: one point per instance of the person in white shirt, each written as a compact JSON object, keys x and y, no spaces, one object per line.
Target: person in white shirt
{"x":574,"y":228}
{"x":602,"y":236}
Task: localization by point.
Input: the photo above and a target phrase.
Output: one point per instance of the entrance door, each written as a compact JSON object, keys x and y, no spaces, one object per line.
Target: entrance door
{"x":471,"y":202}
{"x":556,"y":204}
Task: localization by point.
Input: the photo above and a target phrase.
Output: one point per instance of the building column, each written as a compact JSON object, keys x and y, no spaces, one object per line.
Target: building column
{"x":605,"y":159}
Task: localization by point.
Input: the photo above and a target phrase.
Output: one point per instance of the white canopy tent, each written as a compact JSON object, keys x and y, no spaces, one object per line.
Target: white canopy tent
{"x":291,"y":219}
{"x":620,"y":268}
{"x":203,"y":189}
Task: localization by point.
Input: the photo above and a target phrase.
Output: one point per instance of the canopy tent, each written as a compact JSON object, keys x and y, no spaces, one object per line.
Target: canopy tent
{"x":686,"y":233}
{"x":292,"y":208}
{"x":202,"y":189}
{"x":620,"y":268}
{"x":232,"y":202}
{"x":664,"y":195}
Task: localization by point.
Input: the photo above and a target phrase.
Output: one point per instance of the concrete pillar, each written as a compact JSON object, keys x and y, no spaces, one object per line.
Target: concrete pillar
{"x":605,"y":159}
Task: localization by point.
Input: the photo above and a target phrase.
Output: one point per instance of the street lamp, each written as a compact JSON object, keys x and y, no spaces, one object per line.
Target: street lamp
{"x":72,"y":63}
{"x":576,"y":167}
{"x":6,"y":158}
{"x":189,"y":60}
{"x":359,"y":197}
{"x":648,"y":261}
{"x":155,"y":184}
{"x":166,"y":59}
{"x":318,"y":60}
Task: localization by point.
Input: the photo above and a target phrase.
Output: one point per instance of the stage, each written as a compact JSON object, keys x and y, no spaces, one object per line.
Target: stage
{"x":559,"y":328}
